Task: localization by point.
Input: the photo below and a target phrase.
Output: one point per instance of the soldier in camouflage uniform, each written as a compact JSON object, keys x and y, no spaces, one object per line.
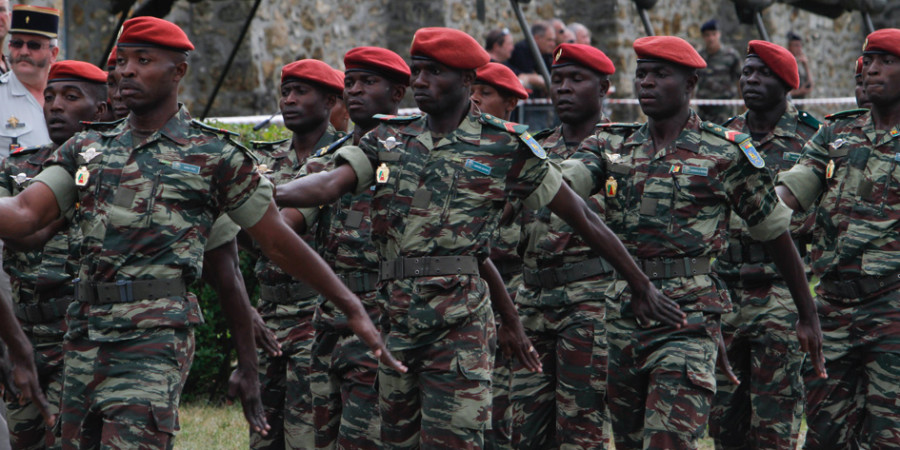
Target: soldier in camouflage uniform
{"x":309,"y":90}
{"x":861,"y":100}
{"x":41,"y":275}
{"x":342,"y":373}
{"x":561,"y":302}
{"x":130,"y":331}
{"x":441,"y":182}
{"x":848,"y":172}
{"x":719,"y":79}
{"x":670,"y":186}
{"x":497,"y":91}
{"x":765,"y":410}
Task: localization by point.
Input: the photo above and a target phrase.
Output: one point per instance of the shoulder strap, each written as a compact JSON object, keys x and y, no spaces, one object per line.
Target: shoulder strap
{"x":333,"y":146}
{"x":847,"y":114}
{"x":198,"y":124}
{"x":808,"y":119}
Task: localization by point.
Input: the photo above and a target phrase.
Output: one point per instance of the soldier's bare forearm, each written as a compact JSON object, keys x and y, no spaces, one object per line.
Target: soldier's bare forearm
{"x":788,"y":198}
{"x":37,"y":240}
{"x":31,"y":210}
{"x":221,"y":270}
{"x":500,"y":300}
{"x":316,"y":189}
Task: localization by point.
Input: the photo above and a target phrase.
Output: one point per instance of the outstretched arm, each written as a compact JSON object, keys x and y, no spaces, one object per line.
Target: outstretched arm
{"x":38,"y":239}
{"x":31,"y":210}
{"x":648,"y":302}
{"x":510,"y":334}
{"x":317,"y":189}
{"x":286,"y":249}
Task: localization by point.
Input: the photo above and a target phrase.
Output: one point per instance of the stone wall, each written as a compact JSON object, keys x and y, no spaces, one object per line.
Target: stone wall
{"x":284,"y":30}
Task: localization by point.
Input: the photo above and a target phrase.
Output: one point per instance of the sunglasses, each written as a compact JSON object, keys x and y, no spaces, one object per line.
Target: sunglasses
{"x":32,"y":45}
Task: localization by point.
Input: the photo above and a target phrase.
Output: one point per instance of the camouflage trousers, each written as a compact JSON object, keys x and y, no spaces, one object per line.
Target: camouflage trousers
{"x":284,"y":386}
{"x":342,"y":382}
{"x":765,"y":410}
{"x":444,"y":399}
{"x":26,"y":425}
{"x":661,"y":381}
{"x":124,"y":394}
{"x":499,"y":436}
{"x":857,"y":406}
{"x":565,"y":405}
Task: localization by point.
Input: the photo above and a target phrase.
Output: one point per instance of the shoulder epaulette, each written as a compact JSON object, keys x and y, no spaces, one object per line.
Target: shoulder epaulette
{"x":625,"y":125}
{"x":520,"y":130}
{"x":543,"y":134}
{"x":396,"y":119}
{"x":101,"y":125}
{"x":847,"y":114}
{"x":740,"y":139}
{"x":808,"y":119}
{"x":201,"y":125}
{"x":728,"y":122}
{"x":25,"y":150}
{"x":259,"y":145}
{"x":334,"y":145}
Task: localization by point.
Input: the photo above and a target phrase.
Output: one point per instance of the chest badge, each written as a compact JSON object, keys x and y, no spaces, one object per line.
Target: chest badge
{"x":89,"y":154}
{"x":82,"y":176}
{"x":382,"y":174}
{"x":14,"y":123}
{"x":837,"y":144}
{"x":829,"y":169}
{"x":21,"y":178}
{"x":389,"y":143}
{"x":612,"y":186}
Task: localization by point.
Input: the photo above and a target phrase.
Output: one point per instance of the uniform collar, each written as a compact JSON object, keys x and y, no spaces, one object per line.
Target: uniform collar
{"x":176,"y":129}
{"x":468,"y":131}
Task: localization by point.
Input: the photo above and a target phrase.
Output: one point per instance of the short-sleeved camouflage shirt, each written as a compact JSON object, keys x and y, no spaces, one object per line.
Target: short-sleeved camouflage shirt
{"x":781,"y":150}
{"x":443,"y":196}
{"x":849,"y":170}
{"x":146,"y":207}
{"x":676,"y":202}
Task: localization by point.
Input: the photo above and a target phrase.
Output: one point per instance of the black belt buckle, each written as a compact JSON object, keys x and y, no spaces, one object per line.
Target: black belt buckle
{"x":547,"y":278}
{"x":126,"y":290}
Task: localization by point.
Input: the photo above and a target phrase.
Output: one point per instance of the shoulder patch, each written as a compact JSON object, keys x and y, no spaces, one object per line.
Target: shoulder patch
{"x":333,"y":146}
{"x":740,"y":139}
{"x":198,"y":124}
{"x":847,"y":114}
{"x":396,"y":119}
{"x":808,"y":119}
{"x":507,"y":126}
{"x":263,"y":145}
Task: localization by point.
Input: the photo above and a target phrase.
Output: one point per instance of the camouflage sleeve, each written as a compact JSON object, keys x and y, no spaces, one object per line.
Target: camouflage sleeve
{"x":239,"y":188}
{"x":361,"y":160}
{"x":536,"y":181}
{"x":584,"y":169}
{"x":58,"y":173}
{"x":752,"y":195}
{"x":223,"y":231}
{"x":806,"y":180}
{"x":5,"y":180}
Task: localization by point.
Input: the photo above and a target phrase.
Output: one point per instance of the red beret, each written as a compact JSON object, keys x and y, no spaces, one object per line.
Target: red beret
{"x":668,"y":48}
{"x":148,"y":31}
{"x":450,"y":47}
{"x":378,"y":60}
{"x":76,"y":71}
{"x":886,"y":40}
{"x":111,"y":62}
{"x":583,"y":55}
{"x":313,"y":71}
{"x":778,"y":59}
{"x":859,"y":65}
{"x":502,"y":78}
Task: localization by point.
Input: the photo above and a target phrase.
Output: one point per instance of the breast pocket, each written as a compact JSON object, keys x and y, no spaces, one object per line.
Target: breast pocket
{"x":178,"y":194}
{"x":655,"y":208}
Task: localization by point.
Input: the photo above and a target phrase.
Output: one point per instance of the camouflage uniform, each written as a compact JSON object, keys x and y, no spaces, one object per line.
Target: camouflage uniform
{"x":42,"y":290}
{"x":562,"y":307}
{"x":848,"y":169}
{"x":437,"y":204}
{"x":765,"y":410}
{"x":343,"y":369}
{"x":719,"y":80}
{"x":287,"y":306}
{"x":146,"y":206}
{"x":670,"y":208}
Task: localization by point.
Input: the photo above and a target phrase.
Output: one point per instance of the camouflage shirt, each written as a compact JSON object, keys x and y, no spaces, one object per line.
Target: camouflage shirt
{"x":146,"y":207}
{"x":548,"y":241}
{"x":676,"y":202}
{"x":781,"y":150}
{"x":443,"y":196}
{"x":720,"y":77}
{"x":850,"y":169}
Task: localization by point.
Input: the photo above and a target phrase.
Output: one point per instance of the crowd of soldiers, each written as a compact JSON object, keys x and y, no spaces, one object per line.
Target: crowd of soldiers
{"x":449,"y":279}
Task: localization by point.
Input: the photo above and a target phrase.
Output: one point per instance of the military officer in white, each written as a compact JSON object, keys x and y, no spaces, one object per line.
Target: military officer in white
{"x":32,"y":48}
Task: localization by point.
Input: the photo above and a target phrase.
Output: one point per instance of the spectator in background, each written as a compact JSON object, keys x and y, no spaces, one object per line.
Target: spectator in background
{"x":559,"y":27}
{"x":795,"y":46}
{"x":582,"y":34}
{"x":566,"y":36}
{"x":719,"y":79}
{"x":499,"y":44}
{"x":5,"y":17}
{"x":524,"y":65}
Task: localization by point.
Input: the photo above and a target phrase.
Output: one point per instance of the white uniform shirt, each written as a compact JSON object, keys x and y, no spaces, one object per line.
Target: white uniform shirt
{"x":21,"y":116}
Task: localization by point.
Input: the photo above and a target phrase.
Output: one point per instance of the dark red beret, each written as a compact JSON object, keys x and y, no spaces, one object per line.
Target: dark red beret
{"x":111,"y":62}
{"x":450,"y":47}
{"x":378,"y":60}
{"x":859,"y":65}
{"x":583,"y":55}
{"x":668,"y":48}
{"x":313,"y":71}
{"x":502,"y":78}
{"x":148,"y":31}
{"x":886,"y":40}
{"x":778,"y":59}
{"x":76,"y":71}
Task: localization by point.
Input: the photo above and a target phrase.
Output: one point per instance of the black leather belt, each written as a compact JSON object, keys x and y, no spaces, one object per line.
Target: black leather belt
{"x":660,"y":268}
{"x":126,"y":291}
{"x":753,"y":252}
{"x":360,"y":282}
{"x":428,"y":266}
{"x":286,"y":293}
{"x":46,"y":311}
{"x":859,"y":288}
{"x":551,"y":277}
